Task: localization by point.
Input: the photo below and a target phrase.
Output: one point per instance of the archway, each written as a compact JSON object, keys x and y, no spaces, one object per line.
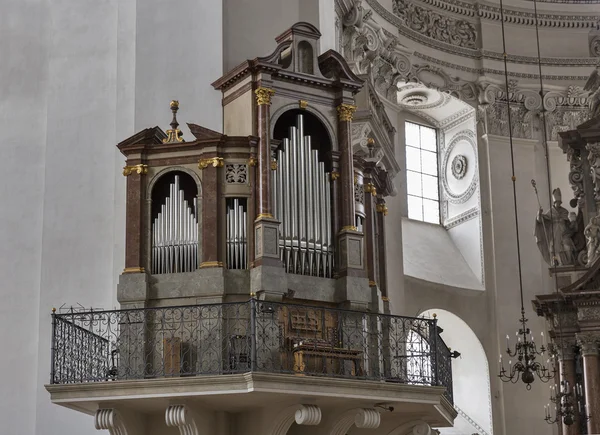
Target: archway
{"x":470,"y":376}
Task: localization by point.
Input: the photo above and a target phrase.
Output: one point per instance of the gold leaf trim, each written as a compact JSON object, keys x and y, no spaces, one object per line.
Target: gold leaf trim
{"x":136,"y":169}
{"x":215,"y":162}
{"x":346,"y":112}
{"x":263,"y":96}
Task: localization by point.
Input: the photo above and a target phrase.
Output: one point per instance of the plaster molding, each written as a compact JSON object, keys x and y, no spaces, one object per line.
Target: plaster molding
{"x":113,"y":420}
{"x":363,"y":418}
{"x":309,"y":415}
{"x":183,"y":418}
{"x":461,"y":218}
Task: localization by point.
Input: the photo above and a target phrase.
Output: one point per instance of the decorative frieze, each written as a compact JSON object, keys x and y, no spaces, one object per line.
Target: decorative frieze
{"x":435,"y":25}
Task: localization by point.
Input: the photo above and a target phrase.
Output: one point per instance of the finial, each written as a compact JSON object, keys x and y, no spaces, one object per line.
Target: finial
{"x":434,"y":316}
{"x":53,"y":310}
{"x":174,"y":134}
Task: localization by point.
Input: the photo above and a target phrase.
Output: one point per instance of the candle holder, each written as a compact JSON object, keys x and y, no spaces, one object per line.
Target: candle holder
{"x":566,"y":400}
{"x":525,"y":350}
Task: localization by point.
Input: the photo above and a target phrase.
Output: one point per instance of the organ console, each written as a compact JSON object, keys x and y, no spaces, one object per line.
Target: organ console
{"x":263,"y":207}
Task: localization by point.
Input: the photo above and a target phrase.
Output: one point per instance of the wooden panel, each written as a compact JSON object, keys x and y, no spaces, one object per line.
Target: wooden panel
{"x":172,"y":356}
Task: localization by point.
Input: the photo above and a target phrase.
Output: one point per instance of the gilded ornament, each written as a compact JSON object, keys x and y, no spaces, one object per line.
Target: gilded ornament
{"x":372,"y":284}
{"x":273,"y":165}
{"x":252,"y":161}
{"x":355,"y":179}
{"x":134,"y":270}
{"x":136,"y":169}
{"x":370,"y":188}
{"x":382,"y":208}
{"x":349,"y":228}
{"x":174,"y":135}
{"x":346,"y":112}
{"x":263,"y":96}
{"x":264,"y":216}
{"x":211,"y":264}
{"x":303,"y":104}
{"x":335,"y":176}
{"x":215,"y":162}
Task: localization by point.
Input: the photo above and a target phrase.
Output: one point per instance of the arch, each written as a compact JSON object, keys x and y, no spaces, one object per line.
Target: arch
{"x":164,"y":171}
{"x":323,"y":119}
{"x":469,"y":373}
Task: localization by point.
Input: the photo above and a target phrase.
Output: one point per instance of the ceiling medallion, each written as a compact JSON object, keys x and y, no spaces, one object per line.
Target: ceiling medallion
{"x":459,"y":166}
{"x":417,"y":98}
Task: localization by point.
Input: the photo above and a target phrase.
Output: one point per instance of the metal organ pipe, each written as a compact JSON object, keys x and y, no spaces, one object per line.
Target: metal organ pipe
{"x":302,"y":203}
{"x":237,"y":223}
{"x":175,"y":234}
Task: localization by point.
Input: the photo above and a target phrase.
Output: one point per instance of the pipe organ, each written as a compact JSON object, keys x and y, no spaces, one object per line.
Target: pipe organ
{"x":302,"y":203}
{"x":175,"y":234}
{"x":237,"y":225}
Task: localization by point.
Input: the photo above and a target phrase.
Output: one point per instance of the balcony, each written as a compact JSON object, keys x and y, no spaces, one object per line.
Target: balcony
{"x":282,"y":352}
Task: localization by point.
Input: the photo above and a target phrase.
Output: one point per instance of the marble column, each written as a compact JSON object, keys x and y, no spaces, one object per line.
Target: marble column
{"x":268,"y":279}
{"x":588,"y":343}
{"x":381,"y":210}
{"x":345,"y":113}
{"x":263,"y":173}
{"x":134,"y":221}
{"x":370,"y":193}
{"x":212,"y":249}
{"x":566,"y":361}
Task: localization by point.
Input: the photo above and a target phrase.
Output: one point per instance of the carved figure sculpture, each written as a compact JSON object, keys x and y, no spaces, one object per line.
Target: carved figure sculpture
{"x":592,"y":237}
{"x":593,"y":85}
{"x":554,"y":232}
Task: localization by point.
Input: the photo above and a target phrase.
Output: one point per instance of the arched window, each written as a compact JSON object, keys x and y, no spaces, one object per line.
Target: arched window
{"x":422,"y":173}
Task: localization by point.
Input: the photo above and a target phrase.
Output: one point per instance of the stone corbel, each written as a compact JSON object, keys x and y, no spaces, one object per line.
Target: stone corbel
{"x":363,"y":418}
{"x":117,"y":422}
{"x":183,"y":418}
{"x":417,"y":427}
{"x":308,"y":415}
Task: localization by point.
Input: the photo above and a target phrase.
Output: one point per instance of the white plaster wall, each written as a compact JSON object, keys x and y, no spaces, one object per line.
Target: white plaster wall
{"x":23,"y":93}
{"x":470,"y":373}
{"x":179,"y":53}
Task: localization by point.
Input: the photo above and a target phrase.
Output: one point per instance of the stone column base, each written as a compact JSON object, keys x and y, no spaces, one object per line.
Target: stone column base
{"x":351,"y":255}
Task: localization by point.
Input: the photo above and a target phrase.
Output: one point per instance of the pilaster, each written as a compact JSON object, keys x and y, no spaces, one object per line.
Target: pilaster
{"x":588,"y":342}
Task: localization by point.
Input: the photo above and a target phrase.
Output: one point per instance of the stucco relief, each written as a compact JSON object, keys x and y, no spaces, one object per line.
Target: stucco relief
{"x":459,"y":172}
{"x":434,"y":25}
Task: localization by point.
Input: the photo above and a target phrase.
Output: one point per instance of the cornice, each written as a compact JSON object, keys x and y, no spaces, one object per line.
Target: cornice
{"x":482,"y":71}
{"x":489,"y":11}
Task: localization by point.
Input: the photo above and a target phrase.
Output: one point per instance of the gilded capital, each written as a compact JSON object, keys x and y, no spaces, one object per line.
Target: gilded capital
{"x":335,"y":175}
{"x":263,"y":96}
{"x":382,"y":208}
{"x":136,"y":169}
{"x":215,"y":162}
{"x":346,"y":112}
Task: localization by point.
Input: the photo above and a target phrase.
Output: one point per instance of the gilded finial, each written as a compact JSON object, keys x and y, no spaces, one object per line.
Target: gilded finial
{"x":434,"y":316}
{"x":53,"y":310}
{"x":174,"y":135}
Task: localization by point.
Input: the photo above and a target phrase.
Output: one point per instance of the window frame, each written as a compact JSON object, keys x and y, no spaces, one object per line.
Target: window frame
{"x":420,"y":149}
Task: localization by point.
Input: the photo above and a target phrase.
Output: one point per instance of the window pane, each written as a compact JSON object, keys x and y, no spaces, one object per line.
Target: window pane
{"x":415,"y":208}
{"x":413,"y":159}
{"x":429,"y":162}
{"x":430,"y":187}
{"x":413,"y":183}
{"x":412,"y":134}
{"x":428,"y":141}
{"x":431,"y":211}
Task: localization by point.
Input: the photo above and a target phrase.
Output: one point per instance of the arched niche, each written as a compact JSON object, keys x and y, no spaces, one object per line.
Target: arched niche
{"x":470,"y":372}
{"x":174,"y":221}
{"x":305,"y":57}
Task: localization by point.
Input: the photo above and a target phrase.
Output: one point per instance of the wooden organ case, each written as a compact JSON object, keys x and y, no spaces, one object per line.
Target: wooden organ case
{"x":286,"y":204}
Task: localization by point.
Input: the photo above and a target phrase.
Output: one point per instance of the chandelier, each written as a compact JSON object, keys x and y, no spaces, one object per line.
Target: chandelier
{"x":566,"y":400}
{"x":525,"y":352}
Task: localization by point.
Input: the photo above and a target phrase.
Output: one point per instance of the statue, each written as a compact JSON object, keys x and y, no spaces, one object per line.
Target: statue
{"x":554,"y":233}
{"x":593,"y":85}
{"x":592,"y":236}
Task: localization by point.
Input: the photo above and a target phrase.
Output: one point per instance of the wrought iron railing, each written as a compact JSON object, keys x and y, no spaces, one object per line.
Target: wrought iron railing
{"x":97,"y":346}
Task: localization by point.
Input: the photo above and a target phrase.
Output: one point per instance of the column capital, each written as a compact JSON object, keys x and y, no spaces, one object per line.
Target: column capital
{"x":588,"y":341}
{"x":346,"y":112}
{"x":565,"y":348}
{"x":263,"y":96}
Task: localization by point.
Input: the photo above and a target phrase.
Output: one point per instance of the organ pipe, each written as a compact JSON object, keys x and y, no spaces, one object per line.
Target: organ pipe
{"x":237,"y":224}
{"x":175,"y":234}
{"x":302,"y":203}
